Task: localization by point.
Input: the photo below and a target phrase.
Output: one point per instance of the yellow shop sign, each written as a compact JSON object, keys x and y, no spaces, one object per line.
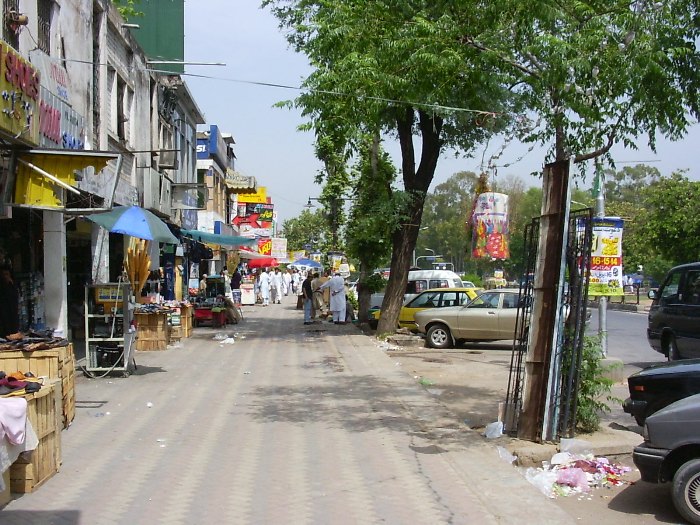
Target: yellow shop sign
{"x":19,"y":96}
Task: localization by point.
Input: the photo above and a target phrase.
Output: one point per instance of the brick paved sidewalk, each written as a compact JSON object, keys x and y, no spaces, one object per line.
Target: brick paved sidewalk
{"x":291,"y":424}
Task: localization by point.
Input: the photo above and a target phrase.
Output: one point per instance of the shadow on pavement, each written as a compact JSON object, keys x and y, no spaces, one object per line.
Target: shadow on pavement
{"x":67,"y":517}
{"x":647,"y":498}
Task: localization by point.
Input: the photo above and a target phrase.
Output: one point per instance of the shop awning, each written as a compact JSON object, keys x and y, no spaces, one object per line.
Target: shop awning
{"x":245,"y":254}
{"x":239,"y":183}
{"x":40,"y":171}
{"x":221,"y":240}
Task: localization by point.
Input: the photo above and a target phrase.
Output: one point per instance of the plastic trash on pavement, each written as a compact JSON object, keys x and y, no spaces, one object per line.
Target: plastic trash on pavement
{"x":576,"y":446}
{"x":505,"y":455}
{"x":494,"y":430}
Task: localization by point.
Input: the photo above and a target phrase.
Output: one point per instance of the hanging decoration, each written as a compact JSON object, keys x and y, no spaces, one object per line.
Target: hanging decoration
{"x":489,"y":223}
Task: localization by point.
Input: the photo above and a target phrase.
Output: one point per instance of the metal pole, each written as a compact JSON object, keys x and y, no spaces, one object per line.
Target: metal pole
{"x":603,"y":303}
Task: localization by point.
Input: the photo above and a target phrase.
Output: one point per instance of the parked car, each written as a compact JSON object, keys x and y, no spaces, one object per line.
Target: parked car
{"x":674,"y":316}
{"x":468,"y":284}
{"x":671,"y":452}
{"x":434,"y":298}
{"x":489,"y":317}
{"x":419,"y":281}
{"x":656,"y":387}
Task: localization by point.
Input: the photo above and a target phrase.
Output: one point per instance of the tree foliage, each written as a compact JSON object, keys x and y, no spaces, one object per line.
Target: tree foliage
{"x":307,"y":228}
{"x":128,"y":8}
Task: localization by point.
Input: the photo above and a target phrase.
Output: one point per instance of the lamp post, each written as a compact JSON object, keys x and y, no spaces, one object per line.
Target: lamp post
{"x":415,"y":260}
{"x":332,"y":203}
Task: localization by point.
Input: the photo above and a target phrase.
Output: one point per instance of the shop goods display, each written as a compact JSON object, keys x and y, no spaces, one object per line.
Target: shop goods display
{"x":55,"y":364}
{"x":34,"y":468}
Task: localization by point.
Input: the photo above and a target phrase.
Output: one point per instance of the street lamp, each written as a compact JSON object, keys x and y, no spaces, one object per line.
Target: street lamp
{"x":415,"y":261}
{"x":332,"y":203}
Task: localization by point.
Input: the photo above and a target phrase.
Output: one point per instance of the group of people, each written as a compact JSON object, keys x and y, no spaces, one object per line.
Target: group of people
{"x":313,"y":289}
{"x":271,"y":285}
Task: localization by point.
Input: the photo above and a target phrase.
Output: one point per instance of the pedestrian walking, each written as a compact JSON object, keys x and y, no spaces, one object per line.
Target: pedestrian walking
{"x":336,"y":285}
{"x":307,"y":294}
{"x":287,"y":280}
{"x":265,"y":287}
{"x":276,"y":286}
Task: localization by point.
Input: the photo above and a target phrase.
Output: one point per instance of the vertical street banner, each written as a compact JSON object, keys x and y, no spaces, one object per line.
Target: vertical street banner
{"x":606,"y":257}
{"x":279,"y":249}
{"x":490,"y":226}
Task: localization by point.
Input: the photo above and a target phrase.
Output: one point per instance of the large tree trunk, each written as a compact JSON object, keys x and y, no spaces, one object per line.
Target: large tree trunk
{"x":416,"y":183}
{"x":363,"y":295}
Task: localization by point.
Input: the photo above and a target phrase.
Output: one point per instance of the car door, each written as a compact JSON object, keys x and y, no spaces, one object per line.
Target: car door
{"x":686,"y":324}
{"x":507,"y":315}
{"x":479,"y":319}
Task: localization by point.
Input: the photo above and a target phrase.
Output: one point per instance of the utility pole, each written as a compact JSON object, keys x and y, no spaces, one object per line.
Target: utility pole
{"x":543,"y":329}
{"x":603,"y":302}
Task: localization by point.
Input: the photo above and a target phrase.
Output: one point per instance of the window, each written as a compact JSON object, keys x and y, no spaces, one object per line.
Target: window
{"x":510,"y":300}
{"x":44,"y":21}
{"x":670,"y":292}
{"x":10,"y":31}
{"x":416,"y":286}
{"x":486,"y":300}
{"x":691,"y":288}
{"x":449,"y":299}
{"x":439,"y":283}
{"x":425,"y":300}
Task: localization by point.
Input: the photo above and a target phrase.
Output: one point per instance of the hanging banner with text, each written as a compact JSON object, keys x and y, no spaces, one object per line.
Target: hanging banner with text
{"x":606,"y":257}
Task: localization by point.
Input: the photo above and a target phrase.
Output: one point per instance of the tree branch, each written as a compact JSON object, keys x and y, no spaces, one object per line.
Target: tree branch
{"x":471,"y":42}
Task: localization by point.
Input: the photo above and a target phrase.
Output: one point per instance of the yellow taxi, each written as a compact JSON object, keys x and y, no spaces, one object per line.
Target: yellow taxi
{"x":433,"y":298}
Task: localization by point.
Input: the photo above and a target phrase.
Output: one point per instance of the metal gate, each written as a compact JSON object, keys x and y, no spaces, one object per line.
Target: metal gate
{"x":560,"y":409}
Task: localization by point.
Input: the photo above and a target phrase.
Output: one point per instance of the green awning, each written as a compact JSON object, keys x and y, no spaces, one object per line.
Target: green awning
{"x":215,"y":238}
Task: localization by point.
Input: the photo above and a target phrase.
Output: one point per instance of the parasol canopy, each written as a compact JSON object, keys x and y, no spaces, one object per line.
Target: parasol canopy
{"x":263,"y":262}
{"x":308,"y":263}
{"x":134,"y":221}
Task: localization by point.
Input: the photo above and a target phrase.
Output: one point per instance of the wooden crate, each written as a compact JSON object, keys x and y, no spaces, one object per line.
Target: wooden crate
{"x":186,"y":313}
{"x":152,"y":331}
{"x":55,"y":364}
{"x":32,"y":469}
{"x":174,"y":334}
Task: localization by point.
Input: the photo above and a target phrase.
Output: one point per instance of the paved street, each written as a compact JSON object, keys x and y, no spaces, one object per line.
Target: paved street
{"x":287,"y":425}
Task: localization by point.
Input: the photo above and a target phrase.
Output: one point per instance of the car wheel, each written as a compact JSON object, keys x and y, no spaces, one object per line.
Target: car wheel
{"x":686,"y":491}
{"x":439,"y":336}
{"x":672,"y":349}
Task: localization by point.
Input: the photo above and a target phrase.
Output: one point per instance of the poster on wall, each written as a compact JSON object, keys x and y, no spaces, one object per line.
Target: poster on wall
{"x":490,"y":226}
{"x":279,"y":249}
{"x":606,"y":257}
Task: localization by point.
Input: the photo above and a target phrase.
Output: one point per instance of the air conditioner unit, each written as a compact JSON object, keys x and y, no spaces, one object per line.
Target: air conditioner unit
{"x":167,"y":160}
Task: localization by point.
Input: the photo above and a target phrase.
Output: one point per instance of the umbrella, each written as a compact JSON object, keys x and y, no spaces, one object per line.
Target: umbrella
{"x":309,"y":263}
{"x":263,"y":262}
{"x":134,"y":221}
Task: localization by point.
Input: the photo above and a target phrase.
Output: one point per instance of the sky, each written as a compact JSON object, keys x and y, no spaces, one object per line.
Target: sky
{"x":269,"y":146}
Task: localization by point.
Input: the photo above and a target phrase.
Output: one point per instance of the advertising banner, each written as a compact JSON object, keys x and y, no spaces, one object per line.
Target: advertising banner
{"x":265,"y":246}
{"x":606,"y":257}
{"x":279,"y":249}
{"x":490,"y":226}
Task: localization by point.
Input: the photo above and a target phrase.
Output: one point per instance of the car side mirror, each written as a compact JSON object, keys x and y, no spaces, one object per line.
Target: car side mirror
{"x":653,"y":293}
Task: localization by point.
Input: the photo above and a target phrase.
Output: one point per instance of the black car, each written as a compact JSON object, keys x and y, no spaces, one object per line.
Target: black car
{"x":674,"y":316}
{"x":671,"y":452}
{"x":658,"y":386}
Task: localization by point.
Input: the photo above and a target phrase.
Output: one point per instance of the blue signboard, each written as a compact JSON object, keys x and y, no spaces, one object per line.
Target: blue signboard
{"x":212,"y":147}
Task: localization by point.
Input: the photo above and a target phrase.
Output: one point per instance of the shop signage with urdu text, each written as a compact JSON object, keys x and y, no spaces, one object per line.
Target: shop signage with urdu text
{"x":19,"y":96}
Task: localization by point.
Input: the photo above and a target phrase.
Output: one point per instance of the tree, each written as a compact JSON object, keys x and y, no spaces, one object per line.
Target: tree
{"x":627,"y":184}
{"x":445,"y":214}
{"x":373,"y":216}
{"x":308,"y":228}
{"x":399,"y":69}
{"x":670,"y":221}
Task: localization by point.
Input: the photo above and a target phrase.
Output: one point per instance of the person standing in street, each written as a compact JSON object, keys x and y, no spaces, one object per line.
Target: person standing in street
{"x":276,"y":283}
{"x":287,"y":280}
{"x":265,"y":287}
{"x":337,"y":288}
{"x":9,"y":303}
{"x":307,"y":294}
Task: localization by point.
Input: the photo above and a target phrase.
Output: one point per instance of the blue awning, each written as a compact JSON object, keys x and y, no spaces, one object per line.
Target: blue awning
{"x":215,"y":238}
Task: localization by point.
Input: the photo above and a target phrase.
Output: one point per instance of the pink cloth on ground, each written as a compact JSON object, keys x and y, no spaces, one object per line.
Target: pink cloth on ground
{"x":13,"y":419}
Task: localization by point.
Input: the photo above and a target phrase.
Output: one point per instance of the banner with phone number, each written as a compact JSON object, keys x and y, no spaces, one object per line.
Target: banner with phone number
{"x":606,"y":258}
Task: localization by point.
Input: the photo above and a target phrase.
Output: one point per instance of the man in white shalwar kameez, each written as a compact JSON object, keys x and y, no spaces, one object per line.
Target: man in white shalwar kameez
{"x":336,"y":285}
{"x":265,"y":287}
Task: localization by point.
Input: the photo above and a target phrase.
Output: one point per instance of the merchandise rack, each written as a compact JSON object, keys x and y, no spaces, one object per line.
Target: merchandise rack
{"x":109,"y":337}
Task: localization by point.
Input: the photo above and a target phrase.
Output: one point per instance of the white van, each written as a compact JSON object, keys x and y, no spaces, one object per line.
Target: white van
{"x":421,"y":280}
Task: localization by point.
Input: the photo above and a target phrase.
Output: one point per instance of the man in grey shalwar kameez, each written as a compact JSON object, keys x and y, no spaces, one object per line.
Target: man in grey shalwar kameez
{"x":336,"y":285}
